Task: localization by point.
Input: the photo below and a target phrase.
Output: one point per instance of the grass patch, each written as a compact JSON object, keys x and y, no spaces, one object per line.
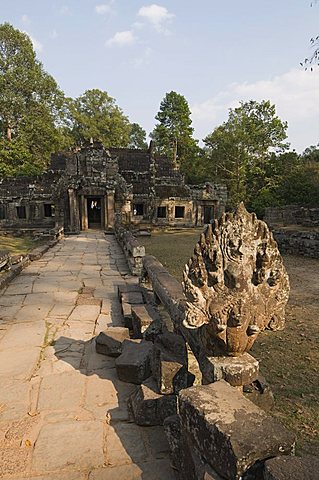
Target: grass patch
{"x":289,"y":359}
{"x":17,"y":245}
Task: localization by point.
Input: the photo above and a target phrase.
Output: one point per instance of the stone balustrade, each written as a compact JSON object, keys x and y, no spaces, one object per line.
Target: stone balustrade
{"x":133,"y":251}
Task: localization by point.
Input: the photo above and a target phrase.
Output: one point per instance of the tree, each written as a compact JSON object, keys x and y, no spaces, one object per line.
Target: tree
{"x":173,"y":134}
{"x":240,"y":149}
{"x":30,"y":106}
{"x":96,"y":115}
{"x":137,"y":137}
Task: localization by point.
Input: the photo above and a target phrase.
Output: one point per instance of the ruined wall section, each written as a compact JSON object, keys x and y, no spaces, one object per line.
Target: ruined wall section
{"x":28,"y":202}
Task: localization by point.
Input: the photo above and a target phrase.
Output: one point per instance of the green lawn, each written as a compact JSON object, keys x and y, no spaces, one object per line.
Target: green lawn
{"x":17,"y":245}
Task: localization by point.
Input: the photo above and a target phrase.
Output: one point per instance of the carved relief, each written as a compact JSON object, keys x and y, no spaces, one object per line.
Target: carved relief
{"x":235,"y":283}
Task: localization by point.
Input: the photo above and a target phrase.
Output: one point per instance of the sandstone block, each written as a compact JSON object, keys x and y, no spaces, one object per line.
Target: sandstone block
{"x":142,"y":318}
{"x":149,"y":407}
{"x":230,"y":432}
{"x":237,"y":371}
{"x":169,"y":363}
{"x":259,"y":392}
{"x":110,"y":341}
{"x":127,"y":315}
{"x":186,"y":459}
{"x":134,"y":298}
{"x":134,"y":364}
{"x":292,"y":468}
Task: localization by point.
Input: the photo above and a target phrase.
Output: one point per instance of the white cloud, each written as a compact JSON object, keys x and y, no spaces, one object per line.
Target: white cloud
{"x":143,"y":59}
{"x":295,"y":94}
{"x":25,"y":20}
{"x":102,"y":9}
{"x":121,"y":39}
{"x":157,"y":15}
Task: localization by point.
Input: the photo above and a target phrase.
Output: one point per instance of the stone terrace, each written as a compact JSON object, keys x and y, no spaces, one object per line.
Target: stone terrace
{"x":63,"y":413}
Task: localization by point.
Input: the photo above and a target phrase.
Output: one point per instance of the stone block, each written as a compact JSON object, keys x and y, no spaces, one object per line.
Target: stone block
{"x":127,"y":288}
{"x":292,"y":468}
{"x":230,"y":432}
{"x":127,"y":315}
{"x":109,"y":342}
{"x":134,"y":298}
{"x":134,"y":364}
{"x":186,"y":459}
{"x":149,"y":407}
{"x":169,"y":363}
{"x":237,"y":371}
{"x":142,"y":318}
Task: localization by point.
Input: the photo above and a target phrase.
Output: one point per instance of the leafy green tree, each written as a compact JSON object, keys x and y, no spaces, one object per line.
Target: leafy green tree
{"x":96,"y":115}
{"x":173,"y":134}
{"x":240,"y":149}
{"x":31,"y":106}
{"x":137,"y":137}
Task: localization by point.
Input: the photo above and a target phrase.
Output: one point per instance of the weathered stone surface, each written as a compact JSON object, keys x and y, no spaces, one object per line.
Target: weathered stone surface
{"x":109,"y":342}
{"x":259,"y":392}
{"x":186,"y":460}
{"x":66,"y":444}
{"x":292,"y":468}
{"x":235,"y":283}
{"x":237,"y":371}
{"x":149,"y":407}
{"x":230,"y":432}
{"x":142,"y":318}
{"x":169,"y":363}
{"x":134,"y":364}
{"x":134,"y":298}
{"x":127,"y":315}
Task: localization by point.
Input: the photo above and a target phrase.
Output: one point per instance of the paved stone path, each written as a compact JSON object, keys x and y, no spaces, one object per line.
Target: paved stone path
{"x":63,"y":413}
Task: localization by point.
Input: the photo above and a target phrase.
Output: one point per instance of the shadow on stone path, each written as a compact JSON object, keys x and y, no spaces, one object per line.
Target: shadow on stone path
{"x":63,"y":413}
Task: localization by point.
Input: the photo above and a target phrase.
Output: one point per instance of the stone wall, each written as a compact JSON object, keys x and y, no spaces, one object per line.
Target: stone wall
{"x":292,"y":215}
{"x":295,"y":242}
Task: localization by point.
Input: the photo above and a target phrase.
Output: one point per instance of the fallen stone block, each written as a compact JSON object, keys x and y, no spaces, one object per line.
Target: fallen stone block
{"x":134,"y":364}
{"x":186,"y":460}
{"x":127,"y":315}
{"x":149,"y":407}
{"x":142,"y":318}
{"x":292,"y":468}
{"x":134,"y":298}
{"x":237,"y":371}
{"x":109,"y":342}
{"x":230,"y":432}
{"x":169,"y":363}
{"x":155,"y":329}
{"x":127,"y":288}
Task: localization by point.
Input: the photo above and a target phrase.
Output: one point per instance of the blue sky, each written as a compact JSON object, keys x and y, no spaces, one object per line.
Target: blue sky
{"x":215,"y":53}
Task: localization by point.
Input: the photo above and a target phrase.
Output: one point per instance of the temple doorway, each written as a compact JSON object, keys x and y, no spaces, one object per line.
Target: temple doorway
{"x":209,"y":213}
{"x":94,"y":212}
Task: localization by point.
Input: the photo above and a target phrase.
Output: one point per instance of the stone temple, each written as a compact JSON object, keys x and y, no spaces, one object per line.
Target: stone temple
{"x":89,"y":187}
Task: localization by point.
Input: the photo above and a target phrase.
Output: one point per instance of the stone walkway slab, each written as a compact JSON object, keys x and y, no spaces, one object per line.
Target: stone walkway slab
{"x":63,"y":410}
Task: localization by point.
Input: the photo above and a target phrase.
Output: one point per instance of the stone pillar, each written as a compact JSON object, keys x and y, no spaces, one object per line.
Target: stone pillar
{"x":110,"y":209}
{"x":84,"y":213}
{"x":74,"y":213}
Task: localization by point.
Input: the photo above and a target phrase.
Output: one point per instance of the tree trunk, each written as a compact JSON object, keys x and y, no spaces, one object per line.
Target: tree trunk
{"x":9,"y":133}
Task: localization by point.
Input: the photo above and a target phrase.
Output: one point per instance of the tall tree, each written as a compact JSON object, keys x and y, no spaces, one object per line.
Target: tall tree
{"x":173,"y":134}
{"x":240,"y":149}
{"x":96,"y":115}
{"x":137,"y":137}
{"x":30,"y":106}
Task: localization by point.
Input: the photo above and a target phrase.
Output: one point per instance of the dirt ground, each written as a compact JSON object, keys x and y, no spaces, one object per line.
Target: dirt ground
{"x":289,"y":359}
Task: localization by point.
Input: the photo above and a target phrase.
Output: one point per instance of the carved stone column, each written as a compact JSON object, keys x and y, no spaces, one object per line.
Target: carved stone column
{"x":110,"y":209}
{"x":74,"y":225}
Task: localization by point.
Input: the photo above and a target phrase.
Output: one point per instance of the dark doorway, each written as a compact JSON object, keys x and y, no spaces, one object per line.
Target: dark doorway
{"x":94,"y":212}
{"x":209,"y":213}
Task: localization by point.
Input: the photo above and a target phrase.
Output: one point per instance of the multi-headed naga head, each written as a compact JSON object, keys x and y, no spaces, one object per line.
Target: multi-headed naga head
{"x":235,"y":284}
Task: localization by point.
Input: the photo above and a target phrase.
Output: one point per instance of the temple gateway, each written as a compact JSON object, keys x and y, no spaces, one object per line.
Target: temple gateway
{"x":89,"y":187}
